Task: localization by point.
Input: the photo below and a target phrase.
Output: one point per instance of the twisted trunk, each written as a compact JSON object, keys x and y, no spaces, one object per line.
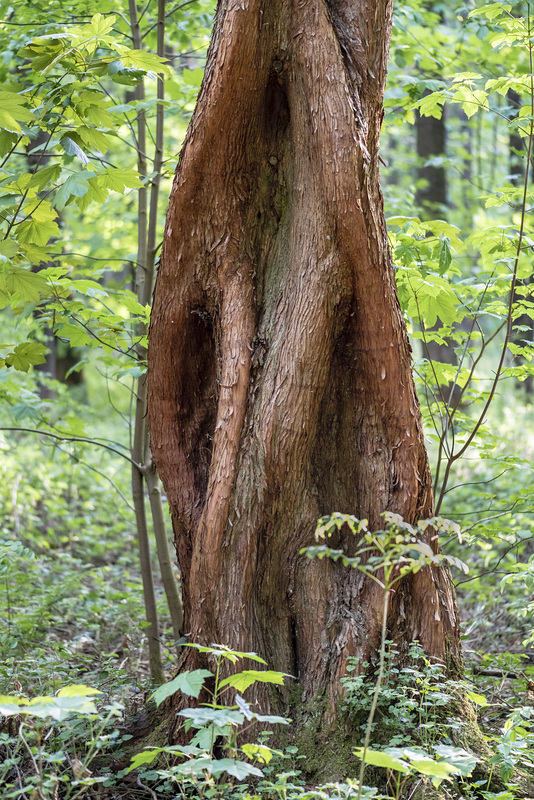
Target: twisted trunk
{"x":280,"y":384}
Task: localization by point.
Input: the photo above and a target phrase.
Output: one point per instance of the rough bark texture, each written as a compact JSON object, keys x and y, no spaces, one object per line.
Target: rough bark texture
{"x":280,"y":383}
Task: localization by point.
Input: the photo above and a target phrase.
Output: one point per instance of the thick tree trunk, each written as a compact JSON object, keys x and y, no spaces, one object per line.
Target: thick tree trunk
{"x":280,"y":383}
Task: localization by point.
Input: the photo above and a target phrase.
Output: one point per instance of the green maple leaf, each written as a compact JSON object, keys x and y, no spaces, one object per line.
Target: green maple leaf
{"x":34,"y":231}
{"x":120,"y":179}
{"x":77,"y":336}
{"x":187,"y":682}
{"x":13,"y":111}
{"x":27,"y":286}
{"x":26,"y":355}
{"x":149,"y":62}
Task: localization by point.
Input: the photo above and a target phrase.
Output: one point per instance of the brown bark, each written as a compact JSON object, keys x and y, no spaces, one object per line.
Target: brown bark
{"x":280,"y":383}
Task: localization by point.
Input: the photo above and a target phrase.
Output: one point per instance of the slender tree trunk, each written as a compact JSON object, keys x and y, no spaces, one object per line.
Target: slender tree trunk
{"x":280,"y":384}
{"x":431,"y":137}
{"x":143,"y":472}
{"x":517,"y":155}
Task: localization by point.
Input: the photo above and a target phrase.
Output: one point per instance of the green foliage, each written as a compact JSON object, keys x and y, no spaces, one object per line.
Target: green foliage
{"x":216,"y":727}
{"x":397,"y":551}
{"x":62,"y":131}
{"x":413,"y":700}
{"x":53,"y":751}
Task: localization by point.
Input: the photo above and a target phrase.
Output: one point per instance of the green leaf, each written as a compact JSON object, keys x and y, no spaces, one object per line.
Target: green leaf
{"x":220,"y":651}
{"x":92,"y":137}
{"x":440,"y":770}
{"x":9,"y":248}
{"x":242,"y":680}
{"x":238,"y":769}
{"x":100,"y":25}
{"x":216,"y":767}
{"x":59,"y":708}
{"x":491,"y":11}
{"x":26,"y":355}
{"x":126,"y":76}
{"x":73,"y":149}
{"x":271,"y":719}
{"x":39,"y":232}
{"x":141,"y":59}
{"x":88,"y":288}
{"x":432,"y":105}
{"x":445,"y":255}
{"x":426,"y":298}
{"x":460,"y":758}
{"x":78,"y":690}
{"x":8,"y":709}
{"x":96,"y":194}
{"x":75,"y":186}
{"x":7,"y":140}
{"x":477,"y":699}
{"x":12,"y":111}
{"x":8,"y":200}
{"x":259,"y":751}
{"x":44,"y":176}
{"x":77,"y":336}
{"x":27,"y":286}
{"x":188,"y":682}
{"x":193,"y":76}
{"x":120,"y":179}
{"x":219,"y":716}
{"x":144,"y":757}
{"x":132,"y":372}
{"x":148,"y":755}
{"x":379,"y":759}
{"x":71,"y":424}
{"x":43,"y":54}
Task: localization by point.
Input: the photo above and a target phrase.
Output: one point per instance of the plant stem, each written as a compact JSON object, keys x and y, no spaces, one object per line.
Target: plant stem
{"x":139,"y":440}
{"x":172,"y":594}
{"x":377,"y":686}
{"x":158,"y":162}
{"x":144,"y":279}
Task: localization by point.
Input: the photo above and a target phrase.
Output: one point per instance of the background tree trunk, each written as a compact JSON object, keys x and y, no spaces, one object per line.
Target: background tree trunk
{"x":517,"y":156}
{"x":431,"y":137}
{"x":280,"y":384}
{"x":431,"y":196}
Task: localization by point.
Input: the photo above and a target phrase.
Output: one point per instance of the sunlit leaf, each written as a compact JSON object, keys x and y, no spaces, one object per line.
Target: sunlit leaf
{"x":189,"y":683}
{"x":242,"y":680}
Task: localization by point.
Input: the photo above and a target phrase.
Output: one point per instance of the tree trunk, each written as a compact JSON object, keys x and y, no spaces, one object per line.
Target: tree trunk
{"x":280,"y":385}
{"x":431,"y":196}
{"x":431,"y":137}
{"x":517,"y":155}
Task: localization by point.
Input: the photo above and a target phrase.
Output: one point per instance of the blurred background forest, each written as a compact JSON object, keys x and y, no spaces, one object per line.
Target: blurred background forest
{"x":94,"y":104}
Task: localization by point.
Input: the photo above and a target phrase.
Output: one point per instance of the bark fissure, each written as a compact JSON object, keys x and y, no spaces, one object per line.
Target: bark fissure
{"x":280,"y":373}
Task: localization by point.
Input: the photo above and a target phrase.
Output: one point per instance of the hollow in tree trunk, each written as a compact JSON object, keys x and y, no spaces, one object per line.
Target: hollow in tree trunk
{"x":280,"y":385}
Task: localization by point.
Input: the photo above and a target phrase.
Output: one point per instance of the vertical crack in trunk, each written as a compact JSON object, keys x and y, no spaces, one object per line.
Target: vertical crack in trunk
{"x":279,"y":366}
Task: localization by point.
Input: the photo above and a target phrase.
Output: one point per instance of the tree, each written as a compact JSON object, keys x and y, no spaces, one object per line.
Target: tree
{"x":280,"y":384}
